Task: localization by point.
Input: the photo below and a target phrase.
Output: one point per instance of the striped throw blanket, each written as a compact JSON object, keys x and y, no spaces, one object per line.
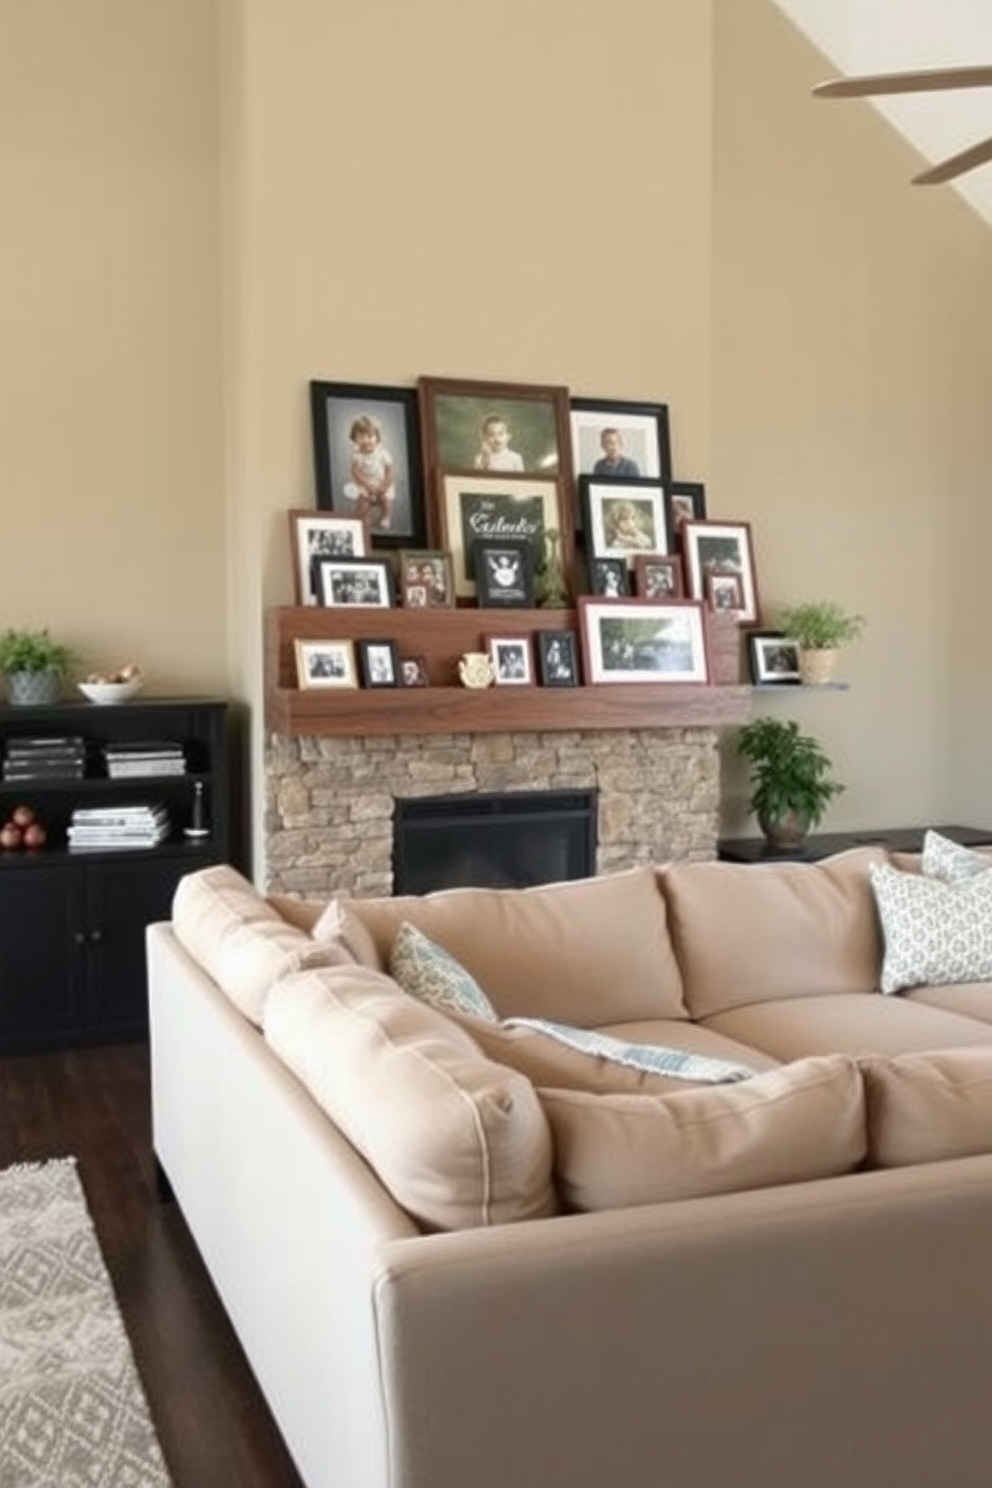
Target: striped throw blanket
{"x":654,"y":1058}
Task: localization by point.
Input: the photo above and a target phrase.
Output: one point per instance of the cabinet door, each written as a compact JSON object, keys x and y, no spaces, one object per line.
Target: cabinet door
{"x":39,"y":959}
{"x":122,"y":896}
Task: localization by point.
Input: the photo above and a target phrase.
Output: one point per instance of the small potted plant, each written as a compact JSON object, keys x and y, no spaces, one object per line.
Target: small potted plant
{"x":34,"y":665}
{"x":790,"y":776}
{"x":819,"y":628}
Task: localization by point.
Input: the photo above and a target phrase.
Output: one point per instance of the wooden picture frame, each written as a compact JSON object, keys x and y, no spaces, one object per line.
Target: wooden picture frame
{"x":641,"y":449}
{"x":325,"y":663}
{"x":512,"y":660}
{"x":686,"y":502}
{"x":504,"y":572}
{"x":315,"y":534}
{"x":349,"y":466}
{"x":468,"y":505}
{"x":624,"y":517}
{"x":609,"y":577}
{"x":658,"y":576}
{"x":724,"y":593}
{"x":558,"y":658}
{"x":637,"y":640}
{"x":354,"y":582}
{"x":414,"y":672}
{"x":378,"y":662}
{"x":425,"y":579}
{"x":723,"y":548}
{"x":773,"y":659}
{"x":460,"y":419}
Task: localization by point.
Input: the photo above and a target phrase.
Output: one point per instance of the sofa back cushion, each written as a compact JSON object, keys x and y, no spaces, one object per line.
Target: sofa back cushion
{"x":748,"y":933}
{"x":586,"y":952}
{"x":240,"y":939}
{"x":805,"y":1120}
{"x":458,"y":1140}
{"x":928,"y":1107}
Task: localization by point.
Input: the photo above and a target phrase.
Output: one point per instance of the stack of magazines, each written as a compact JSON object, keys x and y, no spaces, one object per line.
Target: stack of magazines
{"x":149,"y":757}
{"x":118,"y":826}
{"x":56,"y":757}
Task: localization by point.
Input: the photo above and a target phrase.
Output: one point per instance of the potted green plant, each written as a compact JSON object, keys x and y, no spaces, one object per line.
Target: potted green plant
{"x":819,"y":628}
{"x":790,"y":778}
{"x":34,"y":665}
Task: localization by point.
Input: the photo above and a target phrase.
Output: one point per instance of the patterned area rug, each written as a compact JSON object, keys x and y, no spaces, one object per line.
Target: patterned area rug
{"x":72,"y":1410}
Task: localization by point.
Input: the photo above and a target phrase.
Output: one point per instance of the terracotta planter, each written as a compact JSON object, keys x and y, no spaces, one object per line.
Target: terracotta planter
{"x":817,"y":667}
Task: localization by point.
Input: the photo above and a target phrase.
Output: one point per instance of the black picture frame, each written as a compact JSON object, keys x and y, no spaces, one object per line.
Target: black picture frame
{"x":686,"y":502}
{"x":334,"y":409}
{"x":504,"y":573}
{"x":645,"y":436}
{"x":773,"y":659}
{"x":353,"y":582}
{"x":379,"y":662}
{"x":609,"y":577}
{"x":558,"y":658}
{"x":604,"y":504}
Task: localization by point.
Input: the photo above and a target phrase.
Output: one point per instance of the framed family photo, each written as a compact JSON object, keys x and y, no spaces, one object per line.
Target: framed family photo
{"x":379,"y":663}
{"x":511,"y":659}
{"x":354,"y":581}
{"x":325,"y":664}
{"x":658,"y":576}
{"x":620,"y":440}
{"x":425,"y":580}
{"x":498,"y":508}
{"x":642,"y":641}
{"x":774,"y":659}
{"x":721,"y":550}
{"x":506,"y":427}
{"x":623,"y":517}
{"x":558,"y":658}
{"x":504,"y":572}
{"x":367,"y":458}
{"x":316,"y":535}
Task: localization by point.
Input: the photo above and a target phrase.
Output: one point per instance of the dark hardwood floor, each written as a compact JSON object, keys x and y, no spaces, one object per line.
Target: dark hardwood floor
{"x":212,"y":1421}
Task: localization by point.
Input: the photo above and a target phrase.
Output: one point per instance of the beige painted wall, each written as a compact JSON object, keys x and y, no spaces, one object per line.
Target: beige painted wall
{"x":643,"y":202}
{"x":111,"y":471}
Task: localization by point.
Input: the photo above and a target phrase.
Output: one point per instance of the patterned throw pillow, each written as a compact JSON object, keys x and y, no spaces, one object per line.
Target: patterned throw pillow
{"x":935,"y":932}
{"x":426,"y":971}
{"x":948,"y":860}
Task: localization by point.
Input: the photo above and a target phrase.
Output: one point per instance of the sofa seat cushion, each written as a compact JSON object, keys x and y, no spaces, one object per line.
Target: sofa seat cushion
{"x":240,"y":939}
{"x":970,"y":999}
{"x":801,"y":1121}
{"x":928,"y":1107}
{"x":458,"y":1140}
{"x":579,"y":952}
{"x":848,"y":1024}
{"x":934,"y":931}
{"x":545,"y":1061}
{"x":747,"y":933}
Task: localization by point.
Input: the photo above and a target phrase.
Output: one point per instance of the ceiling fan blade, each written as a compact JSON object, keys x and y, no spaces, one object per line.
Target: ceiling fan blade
{"x":931,"y":80}
{"x":956,"y":165}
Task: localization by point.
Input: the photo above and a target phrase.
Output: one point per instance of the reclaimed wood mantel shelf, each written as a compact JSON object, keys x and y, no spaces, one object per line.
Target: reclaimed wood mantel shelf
{"x":445,"y":707}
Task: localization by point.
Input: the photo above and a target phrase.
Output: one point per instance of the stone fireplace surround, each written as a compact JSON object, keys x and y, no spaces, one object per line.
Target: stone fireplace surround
{"x":330,"y":800}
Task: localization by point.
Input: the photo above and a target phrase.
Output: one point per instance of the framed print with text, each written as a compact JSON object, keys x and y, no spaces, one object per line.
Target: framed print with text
{"x":498,"y":508}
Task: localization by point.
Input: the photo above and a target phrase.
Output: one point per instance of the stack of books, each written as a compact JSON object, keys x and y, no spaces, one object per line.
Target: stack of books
{"x":54,"y":757}
{"x":117,"y":826}
{"x":149,"y":757}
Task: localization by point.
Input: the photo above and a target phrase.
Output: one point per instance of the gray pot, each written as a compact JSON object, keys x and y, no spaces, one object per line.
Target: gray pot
{"x":33,"y":689}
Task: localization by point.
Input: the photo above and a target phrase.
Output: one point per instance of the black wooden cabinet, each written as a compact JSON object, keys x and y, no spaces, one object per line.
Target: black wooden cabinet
{"x":72,"y":921}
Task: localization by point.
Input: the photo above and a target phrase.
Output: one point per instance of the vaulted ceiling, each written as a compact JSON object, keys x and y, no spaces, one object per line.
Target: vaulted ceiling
{"x":870,"y":36}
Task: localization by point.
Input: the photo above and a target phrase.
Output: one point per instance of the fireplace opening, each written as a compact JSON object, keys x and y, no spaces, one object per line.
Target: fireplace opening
{"x":509,"y":840}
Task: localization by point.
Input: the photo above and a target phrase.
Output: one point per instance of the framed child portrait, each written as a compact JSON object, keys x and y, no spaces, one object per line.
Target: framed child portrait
{"x":617,"y":439}
{"x":624,"y":518}
{"x":367,"y":458}
{"x":379,"y":662}
{"x":325,"y":664}
{"x":721,"y":549}
{"x":504,"y":572}
{"x":426,"y":581}
{"x":318,"y":535}
{"x":511,"y":659}
{"x":608,"y":576}
{"x":508,"y":428}
{"x":558,"y":658}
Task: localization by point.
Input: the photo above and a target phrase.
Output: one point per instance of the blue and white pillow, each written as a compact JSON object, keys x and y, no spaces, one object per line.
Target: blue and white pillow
{"x":948,"y":860}
{"x":935,"y":932}
{"x":428,"y":972}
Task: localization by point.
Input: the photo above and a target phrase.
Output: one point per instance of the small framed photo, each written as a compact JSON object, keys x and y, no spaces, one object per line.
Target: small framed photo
{"x":413,"y":672}
{"x":658,"y":576}
{"x":624,"y":518}
{"x":618,"y":440}
{"x":558,"y":658}
{"x":686,"y":502}
{"x":504,"y":572}
{"x":326,"y":664}
{"x":426,"y":581}
{"x":500,"y":427}
{"x":724,"y":593}
{"x":640,"y":640}
{"x":609,"y":577}
{"x":354,"y":581}
{"x":774,"y":658}
{"x":721,"y":549}
{"x":379,"y":663}
{"x":367,"y":458}
{"x":470,"y":505}
{"x":313,"y":535}
{"x":511,"y":659}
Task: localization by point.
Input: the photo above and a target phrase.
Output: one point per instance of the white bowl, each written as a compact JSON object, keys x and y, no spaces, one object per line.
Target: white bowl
{"x":110,"y":692}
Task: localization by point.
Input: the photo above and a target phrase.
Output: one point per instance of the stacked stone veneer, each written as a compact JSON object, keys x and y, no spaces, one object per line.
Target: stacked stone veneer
{"x":329,"y":801}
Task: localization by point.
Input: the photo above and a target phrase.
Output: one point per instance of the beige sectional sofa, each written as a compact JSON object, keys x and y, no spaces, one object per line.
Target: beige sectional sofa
{"x":468,"y":1241}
